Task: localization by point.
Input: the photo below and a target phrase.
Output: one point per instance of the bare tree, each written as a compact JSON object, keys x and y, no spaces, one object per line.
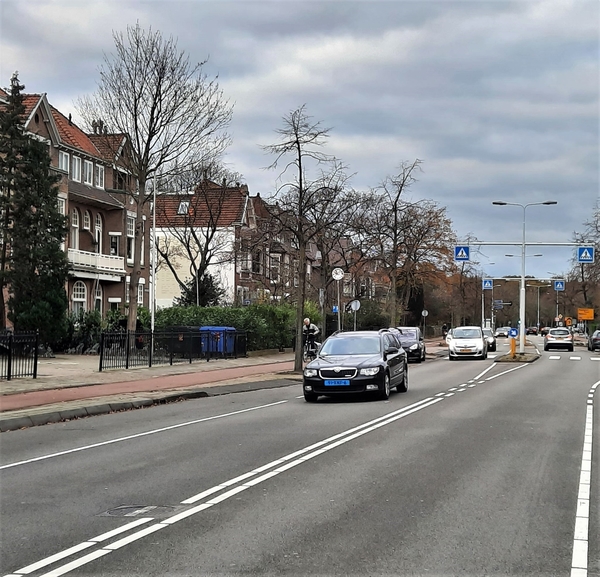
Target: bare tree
{"x":305,"y":206}
{"x":193,"y":211}
{"x":173,"y":115}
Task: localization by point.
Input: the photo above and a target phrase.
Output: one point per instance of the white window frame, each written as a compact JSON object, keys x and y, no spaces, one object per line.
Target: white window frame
{"x":98,"y":233}
{"x":184,"y":207}
{"x":79,"y":296}
{"x":87,"y":221}
{"x":99,"y":181}
{"x":74,"y":237}
{"x":140,"y":294}
{"x":63,"y":161}
{"x":61,"y":205}
{"x":88,"y":172}
{"x":76,"y":169}
{"x":130,"y":240}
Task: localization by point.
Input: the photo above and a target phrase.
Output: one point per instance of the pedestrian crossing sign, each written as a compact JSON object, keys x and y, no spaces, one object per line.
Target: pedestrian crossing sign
{"x":461,"y":253}
{"x":585,"y":254}
{"x":488,"y":283}
{"x":559,"y":285}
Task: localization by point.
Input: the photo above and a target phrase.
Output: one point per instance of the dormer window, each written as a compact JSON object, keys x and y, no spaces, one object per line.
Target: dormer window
{"x":184,"y":207}
{"x":88,"y":172}
{"x":76,"y":169}
{"x":99,"y":176}
{"x":63,"y":161}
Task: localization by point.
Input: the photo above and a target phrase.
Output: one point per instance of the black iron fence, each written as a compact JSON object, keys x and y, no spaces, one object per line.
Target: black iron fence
{"x":128,"y":349}
{"x":18,"y":355}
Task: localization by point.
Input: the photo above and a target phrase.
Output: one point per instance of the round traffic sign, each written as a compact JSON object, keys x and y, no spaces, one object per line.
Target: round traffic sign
{"x":424,"y":312}
{"x":355,"y":305}
{"x":337,"y":274}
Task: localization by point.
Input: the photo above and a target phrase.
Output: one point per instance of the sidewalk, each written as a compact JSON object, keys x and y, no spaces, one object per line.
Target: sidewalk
{"x":70,"y":386}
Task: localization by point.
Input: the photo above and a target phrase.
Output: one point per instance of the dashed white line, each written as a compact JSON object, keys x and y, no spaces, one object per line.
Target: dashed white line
{"x":554,"y":357}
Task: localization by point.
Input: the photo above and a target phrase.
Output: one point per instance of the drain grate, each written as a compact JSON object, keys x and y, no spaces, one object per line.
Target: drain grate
{"x":141,"y":511}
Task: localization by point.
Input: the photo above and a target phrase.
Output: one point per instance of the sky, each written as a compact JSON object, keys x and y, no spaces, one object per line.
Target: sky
{"x":499,"y":99}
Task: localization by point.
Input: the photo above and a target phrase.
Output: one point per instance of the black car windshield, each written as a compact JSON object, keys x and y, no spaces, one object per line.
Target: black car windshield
{"x":358,"y":345}
{"x":466,"y":333}
{"x":488,"y":333}
{"x":407,"y":335}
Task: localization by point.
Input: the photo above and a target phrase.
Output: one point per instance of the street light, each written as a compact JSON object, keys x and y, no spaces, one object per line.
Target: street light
{"x":538,"y":287}
{"x":522,"y":289}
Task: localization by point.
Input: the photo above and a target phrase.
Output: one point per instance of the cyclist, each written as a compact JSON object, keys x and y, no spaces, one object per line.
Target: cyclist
{"x":309,"y":332}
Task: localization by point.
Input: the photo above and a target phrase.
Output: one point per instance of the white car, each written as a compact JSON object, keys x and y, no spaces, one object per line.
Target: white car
{"x":467,"y":342}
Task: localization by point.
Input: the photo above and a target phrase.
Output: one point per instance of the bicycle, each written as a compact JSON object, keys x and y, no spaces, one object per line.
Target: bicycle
{"x":309,"y":351}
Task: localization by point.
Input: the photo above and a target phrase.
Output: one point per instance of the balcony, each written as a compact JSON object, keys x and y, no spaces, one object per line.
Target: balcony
{"x":93,"y":265}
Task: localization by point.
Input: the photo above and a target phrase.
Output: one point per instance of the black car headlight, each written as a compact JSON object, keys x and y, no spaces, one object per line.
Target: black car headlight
{"x":369,"y":371}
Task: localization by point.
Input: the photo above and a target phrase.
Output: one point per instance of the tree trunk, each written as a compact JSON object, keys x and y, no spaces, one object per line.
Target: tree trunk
{"x":300,"y":306}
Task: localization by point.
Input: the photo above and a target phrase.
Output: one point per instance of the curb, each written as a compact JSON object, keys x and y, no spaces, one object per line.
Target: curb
{"x":105,"y":407}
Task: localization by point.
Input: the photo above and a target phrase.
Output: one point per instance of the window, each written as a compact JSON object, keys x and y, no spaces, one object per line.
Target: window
{"x":98,"y":234}
{"x":74,"y":238}
{"x":98,"y":299}
{"x":79,"y":297}
{"x":76,"y":169}
{"x":86,"y":220}
{"x":88,"y":172}
{"x":63,"y":161}
{"x":130,"y":239}
{"x":114,"y":245}
{"x":140,"y":294}
{"x":256,"y":262}
{"x":184,"y":207}
{"x":99,"y":176}
{"x":275,"y":267}
{"x":61,"y":206}
{"x":126,"y":290}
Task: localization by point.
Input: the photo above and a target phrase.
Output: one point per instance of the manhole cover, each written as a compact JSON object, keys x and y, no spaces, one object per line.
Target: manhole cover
{"x":140,"y":511}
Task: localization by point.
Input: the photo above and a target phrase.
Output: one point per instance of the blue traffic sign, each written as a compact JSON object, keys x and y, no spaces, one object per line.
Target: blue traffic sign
{"x":334,"y":309}
{"x":559,"y":285}
{"x":585,"y":254}
{"x":513,"y":332}
{"x":488,"y":283}
{"x":461,"y":253}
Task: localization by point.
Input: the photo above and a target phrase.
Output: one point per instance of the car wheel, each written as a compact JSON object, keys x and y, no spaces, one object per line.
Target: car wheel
{"x":310,"y":397}
{"x":545,"y":348}
{"x":570,"y":349}
{"x":404,"y":386}
{"x":452,"y":358}
{"x":384,"y":394}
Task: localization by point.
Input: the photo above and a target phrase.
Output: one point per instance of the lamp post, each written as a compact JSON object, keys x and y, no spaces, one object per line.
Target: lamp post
{"x":493,"y":316}
{"x":538,"y":287}
{"x":522,"y":288}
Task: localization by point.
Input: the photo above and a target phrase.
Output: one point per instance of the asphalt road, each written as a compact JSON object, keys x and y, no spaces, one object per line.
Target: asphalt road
{"x":476,"y":470}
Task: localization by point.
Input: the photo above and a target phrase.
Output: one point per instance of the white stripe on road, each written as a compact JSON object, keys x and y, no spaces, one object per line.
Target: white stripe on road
{"x":138,"y":435}
{"x":579,"y":562}
{"x":554,"y":357}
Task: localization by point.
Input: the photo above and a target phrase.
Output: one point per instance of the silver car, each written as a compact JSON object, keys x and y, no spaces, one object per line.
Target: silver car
{"x":467,"y":342}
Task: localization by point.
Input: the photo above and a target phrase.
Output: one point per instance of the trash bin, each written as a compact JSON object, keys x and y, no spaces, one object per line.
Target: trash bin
{"x":218,"y":341}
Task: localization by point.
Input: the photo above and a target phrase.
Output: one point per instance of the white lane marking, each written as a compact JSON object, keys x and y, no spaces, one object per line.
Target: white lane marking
{"x":505,"y":372}
{"x":272,"y":464}
{"x":119,"y":530}
{"x":574,"y":358}
{"x":480,"y":375}
{"x":473,"y":385}
{"x":356,"y":432}
{"x":57,"y":557}
{"x":579,"y":561}
{"x":595,"y":358}
{"x":77,"y":563}
{"x":554,"y":357}
{"x":453,"y":389}
{"x":492,"y":356}
{"x":138,"y":435}
{"x":449,"y":395}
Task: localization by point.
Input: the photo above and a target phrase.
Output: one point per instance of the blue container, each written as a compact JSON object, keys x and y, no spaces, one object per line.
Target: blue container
{"x":218,"y":340}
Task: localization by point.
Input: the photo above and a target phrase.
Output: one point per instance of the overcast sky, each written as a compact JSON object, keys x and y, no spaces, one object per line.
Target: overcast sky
{"x":500,"y":100}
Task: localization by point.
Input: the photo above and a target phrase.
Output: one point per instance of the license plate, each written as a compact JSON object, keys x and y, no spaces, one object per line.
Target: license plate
{"x":337,"y":383}
{"x":466,"y":350}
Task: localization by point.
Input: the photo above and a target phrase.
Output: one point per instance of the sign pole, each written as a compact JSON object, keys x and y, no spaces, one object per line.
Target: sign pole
{"x":338,"y":275}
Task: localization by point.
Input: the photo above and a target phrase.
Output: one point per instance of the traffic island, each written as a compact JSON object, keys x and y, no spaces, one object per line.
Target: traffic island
{"x":518,"y":358}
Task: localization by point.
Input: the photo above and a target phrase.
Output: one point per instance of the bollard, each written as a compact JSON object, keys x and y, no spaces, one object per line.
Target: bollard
{"x":513,"y":347}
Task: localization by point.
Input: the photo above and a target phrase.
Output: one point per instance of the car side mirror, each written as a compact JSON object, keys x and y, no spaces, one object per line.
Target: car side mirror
{"x":391,"y":350}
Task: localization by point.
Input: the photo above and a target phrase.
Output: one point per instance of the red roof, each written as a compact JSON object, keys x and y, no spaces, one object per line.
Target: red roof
{"x":108,"y":144}
{"x":210,"y":202}
{"x":72,"y":135}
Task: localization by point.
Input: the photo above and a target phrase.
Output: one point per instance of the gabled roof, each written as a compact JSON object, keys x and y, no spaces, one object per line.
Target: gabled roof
{"x":71,"y":135}
{"x":209,"y":202}
{"x":109,"y":145}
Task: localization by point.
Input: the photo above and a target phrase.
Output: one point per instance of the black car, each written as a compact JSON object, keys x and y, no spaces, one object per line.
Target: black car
{"x":357,"y":362}
{"x":594,"y":341}
{"x":412,"y":342}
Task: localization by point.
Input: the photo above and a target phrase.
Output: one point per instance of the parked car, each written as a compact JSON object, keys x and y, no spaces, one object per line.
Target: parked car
{"x":467,"y":342}
{"x":594,"y":341}
{"x":558,"y":338}
{"x":490,"y":338}
{"x":544,"y":331}
{"x":357,"y":362}
{"x":412,"y":342}
{"x":502,"y":332}
{"x":531,"y":331}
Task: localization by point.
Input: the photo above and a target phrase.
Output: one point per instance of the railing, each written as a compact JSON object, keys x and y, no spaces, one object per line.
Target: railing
{"x":96,"y":261}
{"x":18,"y":355}
{"x":129,"y":349}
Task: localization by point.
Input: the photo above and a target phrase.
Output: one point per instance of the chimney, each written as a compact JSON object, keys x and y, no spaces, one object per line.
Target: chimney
{"x":70,"y":123}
